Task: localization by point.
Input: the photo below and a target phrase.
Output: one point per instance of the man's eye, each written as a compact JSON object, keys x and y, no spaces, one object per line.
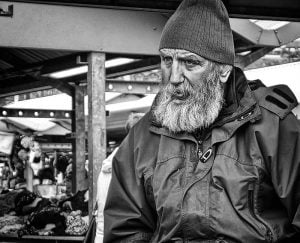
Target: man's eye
{"x":167,"y":60}
{"x":191,"y":63}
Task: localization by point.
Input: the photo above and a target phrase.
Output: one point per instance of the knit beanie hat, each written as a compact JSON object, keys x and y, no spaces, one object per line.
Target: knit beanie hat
{"x":201,"y":27}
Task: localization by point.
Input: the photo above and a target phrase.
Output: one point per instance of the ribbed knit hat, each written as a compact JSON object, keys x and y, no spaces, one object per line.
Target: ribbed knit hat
{"x":201,"y":27}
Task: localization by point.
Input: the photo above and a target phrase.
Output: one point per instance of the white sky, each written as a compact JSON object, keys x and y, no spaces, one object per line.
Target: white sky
{"x":288,"y":74}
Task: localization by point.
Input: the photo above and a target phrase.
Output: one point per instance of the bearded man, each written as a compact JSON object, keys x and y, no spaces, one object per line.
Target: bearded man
{"x":214,"y":160}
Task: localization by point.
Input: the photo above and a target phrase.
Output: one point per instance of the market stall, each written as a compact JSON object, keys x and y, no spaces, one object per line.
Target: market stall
{"x":36,"y":198}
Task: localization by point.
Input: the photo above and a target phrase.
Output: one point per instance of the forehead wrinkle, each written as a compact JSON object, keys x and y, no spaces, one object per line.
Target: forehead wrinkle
{"x":180,"y":53}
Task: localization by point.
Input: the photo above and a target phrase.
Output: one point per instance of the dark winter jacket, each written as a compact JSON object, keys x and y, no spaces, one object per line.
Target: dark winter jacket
{"x":238,"y":182}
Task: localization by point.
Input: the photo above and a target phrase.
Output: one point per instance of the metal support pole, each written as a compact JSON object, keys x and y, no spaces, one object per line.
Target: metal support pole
{"x":79,"y":180}
{"x":96,"y":121}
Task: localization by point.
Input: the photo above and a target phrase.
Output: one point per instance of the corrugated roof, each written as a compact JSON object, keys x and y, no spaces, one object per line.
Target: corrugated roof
{"x":16,"y":57}
{"x":4,"y":65}
{"x":278,"y":9}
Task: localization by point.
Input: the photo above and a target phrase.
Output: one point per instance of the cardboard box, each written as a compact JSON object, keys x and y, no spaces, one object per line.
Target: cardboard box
{"x":47,"y":191}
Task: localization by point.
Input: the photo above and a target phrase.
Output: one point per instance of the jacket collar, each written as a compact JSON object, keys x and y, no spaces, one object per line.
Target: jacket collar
{"x":239,"y":99}
{"x":240,"y":107}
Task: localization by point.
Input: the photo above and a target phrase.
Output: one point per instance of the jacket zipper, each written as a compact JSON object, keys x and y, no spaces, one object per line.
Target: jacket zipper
{"x":199,"y":151}
{"x":238,"y":117}
{"x":269,"y":234}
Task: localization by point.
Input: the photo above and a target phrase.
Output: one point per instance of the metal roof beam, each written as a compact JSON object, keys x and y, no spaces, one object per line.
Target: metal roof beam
{"x":25,"y":84}
{"x":134,"y":67}
{"x":253,"y":9}
{"x":265,"y":37}
{"x":10,"y":58}
{"x":60,"y":27}
{"x":45,"y":67}
{"x":112,"y":85}
{"x":61,"y":86}
{"x":132,"y":87}
{"x":73,"y":61}
{"x":22,"y":88}
{"x":52,"y":65}
{"x":257,"y":9}
{"x":35,"y":113}
{"x":147,"y":64}
{"x":244,"y":61}
{"x":264,"y":9}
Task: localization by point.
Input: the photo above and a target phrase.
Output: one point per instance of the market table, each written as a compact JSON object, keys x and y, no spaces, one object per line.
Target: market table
{"x":38,"y":238}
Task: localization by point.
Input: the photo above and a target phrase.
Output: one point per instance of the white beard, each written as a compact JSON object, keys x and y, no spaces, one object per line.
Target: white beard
{"x":195,"y":109}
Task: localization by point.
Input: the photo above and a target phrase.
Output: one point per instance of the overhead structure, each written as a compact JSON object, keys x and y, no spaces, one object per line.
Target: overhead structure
{"x":39,"y":38}
{"x":43,"y":37}
{"x":255,"y":9}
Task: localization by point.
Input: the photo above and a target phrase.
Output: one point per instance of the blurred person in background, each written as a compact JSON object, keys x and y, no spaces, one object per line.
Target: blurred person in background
{"x":105,"y":177}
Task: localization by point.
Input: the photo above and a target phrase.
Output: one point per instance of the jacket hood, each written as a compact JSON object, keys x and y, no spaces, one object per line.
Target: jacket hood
{"x":235,"y":89}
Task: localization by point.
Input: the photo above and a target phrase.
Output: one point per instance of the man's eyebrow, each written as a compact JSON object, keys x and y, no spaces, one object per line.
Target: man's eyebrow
{"x":190,"y":56}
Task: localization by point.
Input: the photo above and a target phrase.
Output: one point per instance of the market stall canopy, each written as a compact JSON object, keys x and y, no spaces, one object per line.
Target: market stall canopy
{"x":118,"y":109}
{"x":51,"y":43}
{"x":6,"y":142}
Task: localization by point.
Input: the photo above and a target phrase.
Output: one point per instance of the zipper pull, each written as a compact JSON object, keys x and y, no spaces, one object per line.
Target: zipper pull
{"x":206,"y":155}
{"x":199,"y":152}
{"x":251,"y":187}
{"x":269,"y":236}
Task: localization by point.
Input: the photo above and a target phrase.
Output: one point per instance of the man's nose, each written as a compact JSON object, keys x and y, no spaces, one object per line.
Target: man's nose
{"x":176,"y":74}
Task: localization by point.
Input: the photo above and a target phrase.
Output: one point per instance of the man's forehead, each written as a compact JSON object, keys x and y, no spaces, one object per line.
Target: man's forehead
{"x":178,"y":52}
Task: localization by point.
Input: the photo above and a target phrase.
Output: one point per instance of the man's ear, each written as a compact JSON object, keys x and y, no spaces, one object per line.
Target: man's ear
{"x":225,"y":71}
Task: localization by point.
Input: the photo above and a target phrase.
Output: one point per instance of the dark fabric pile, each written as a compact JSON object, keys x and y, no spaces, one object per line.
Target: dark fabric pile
{"x":78,"y":203}
{"x":24,"y":198}
{"x":25,"y":213}
{"x":7,"y":201}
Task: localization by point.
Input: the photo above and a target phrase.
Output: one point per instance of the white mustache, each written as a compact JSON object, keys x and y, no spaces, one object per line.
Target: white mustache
{"x":181,"y":92}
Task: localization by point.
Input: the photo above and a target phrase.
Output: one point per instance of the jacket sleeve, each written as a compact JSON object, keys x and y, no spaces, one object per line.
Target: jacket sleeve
{"x":285,"y":167}
{"x":128,"y":217}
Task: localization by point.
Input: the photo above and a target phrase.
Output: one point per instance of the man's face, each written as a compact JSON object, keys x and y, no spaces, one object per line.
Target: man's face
{"x":192,"y":95}
{"x":178,"y":65}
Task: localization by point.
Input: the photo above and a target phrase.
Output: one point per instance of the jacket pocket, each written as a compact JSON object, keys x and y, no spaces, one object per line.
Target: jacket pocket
{"x":168,"y":175}
{"x":258,"y":219}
